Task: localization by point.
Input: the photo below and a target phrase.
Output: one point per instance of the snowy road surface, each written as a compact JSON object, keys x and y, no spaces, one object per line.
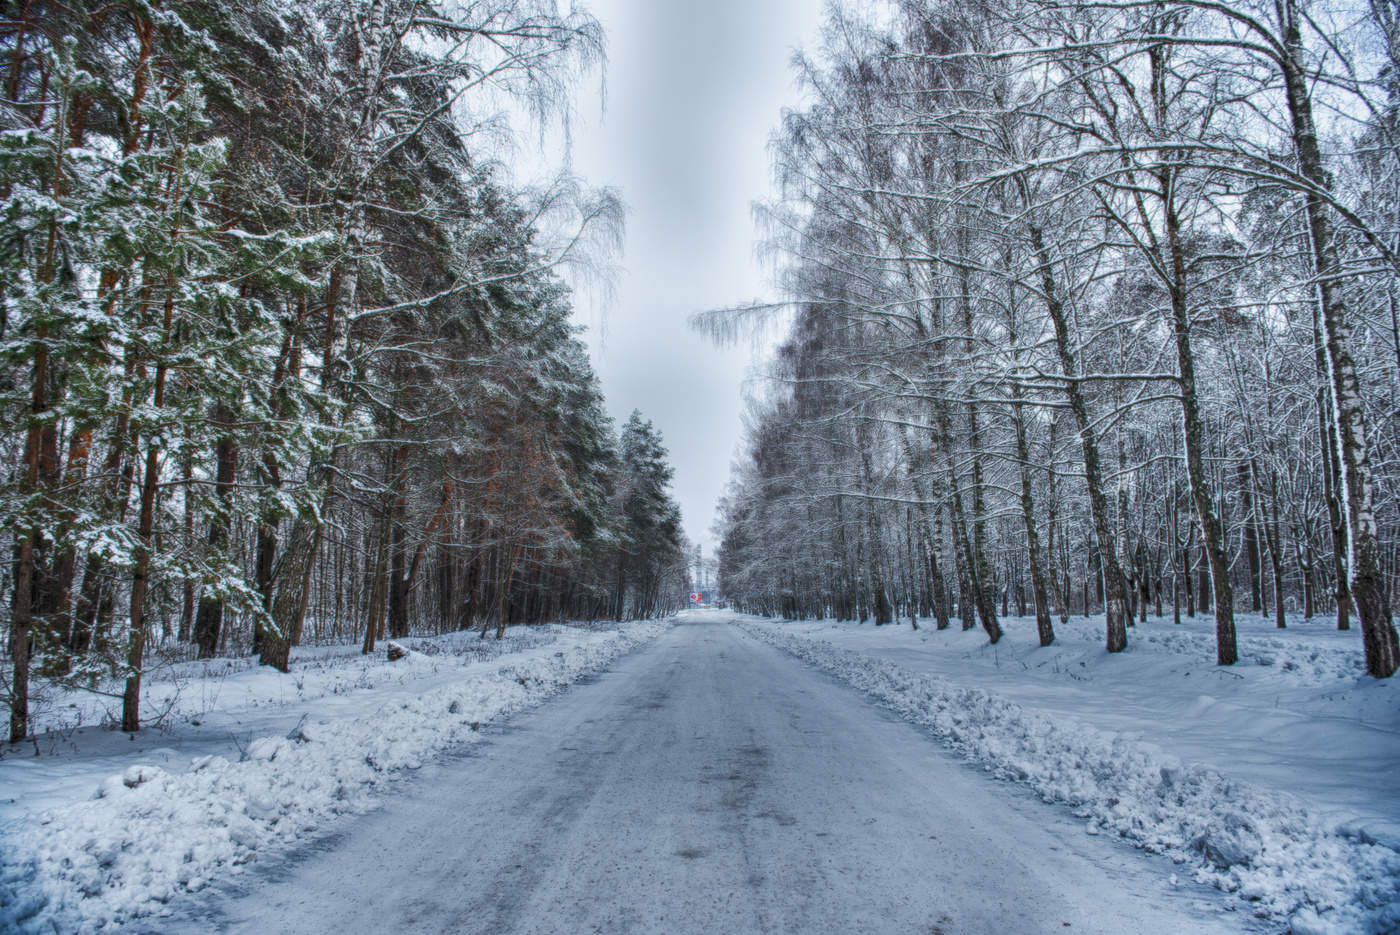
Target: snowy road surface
{"x":711,"y":783}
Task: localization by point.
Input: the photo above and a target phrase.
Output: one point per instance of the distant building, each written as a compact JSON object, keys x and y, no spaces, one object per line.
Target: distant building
{"x":707,"y":597}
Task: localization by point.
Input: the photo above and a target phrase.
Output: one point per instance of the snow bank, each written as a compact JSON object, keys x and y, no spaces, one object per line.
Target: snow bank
{"x":148,"y":836}
{"x":1263,"y":846}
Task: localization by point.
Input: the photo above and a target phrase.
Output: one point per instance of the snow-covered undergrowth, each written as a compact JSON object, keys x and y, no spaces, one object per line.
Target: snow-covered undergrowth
{"x":1284,"y":859}
{"x":150,"y":833}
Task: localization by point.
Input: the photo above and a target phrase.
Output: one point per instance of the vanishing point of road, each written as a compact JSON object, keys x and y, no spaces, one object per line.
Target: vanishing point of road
{"x":708,"y":783}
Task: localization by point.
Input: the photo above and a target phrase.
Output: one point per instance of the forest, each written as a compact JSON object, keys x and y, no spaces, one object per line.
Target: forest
{"x":1092,"y":309}
{"x":1064,"y":515}
{"x":285,"y":355}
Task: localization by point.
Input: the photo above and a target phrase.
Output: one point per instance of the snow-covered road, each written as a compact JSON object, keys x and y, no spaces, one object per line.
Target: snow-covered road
{"x":711,"y":783}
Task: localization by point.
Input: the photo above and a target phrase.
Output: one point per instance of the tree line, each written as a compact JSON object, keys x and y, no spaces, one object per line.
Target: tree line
{"x":283,"y":354}
{"x":1094,"y":309}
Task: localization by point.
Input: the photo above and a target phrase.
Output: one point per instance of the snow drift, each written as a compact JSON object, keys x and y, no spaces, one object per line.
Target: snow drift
{"x":1266,"y":847}
{"x":148,"y":835}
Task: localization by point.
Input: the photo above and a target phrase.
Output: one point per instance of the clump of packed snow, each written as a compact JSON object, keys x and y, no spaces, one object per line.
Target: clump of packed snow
{"x":149,"y":833}
{"x":1176,"y":790}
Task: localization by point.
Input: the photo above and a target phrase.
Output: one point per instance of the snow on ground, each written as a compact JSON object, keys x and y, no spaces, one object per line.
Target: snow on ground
{"x":1274,"y":779}
{"x":99,"y":827}
{"x":712,"y":785}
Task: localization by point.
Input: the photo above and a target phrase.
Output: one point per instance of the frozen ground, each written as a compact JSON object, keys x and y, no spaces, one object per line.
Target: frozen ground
{"x":99,"y":827}
{"x":1274,"y":779}
{"x":711,"y":784}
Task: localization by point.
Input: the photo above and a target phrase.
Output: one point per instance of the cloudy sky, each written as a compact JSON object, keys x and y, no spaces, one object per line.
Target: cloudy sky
{"x":693,"y":90}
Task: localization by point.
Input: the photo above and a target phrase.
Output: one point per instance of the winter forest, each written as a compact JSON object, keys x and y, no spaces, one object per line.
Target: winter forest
{"x":370,"y":369}
{"x":283,"y":359}
{"x":1095,"y":312}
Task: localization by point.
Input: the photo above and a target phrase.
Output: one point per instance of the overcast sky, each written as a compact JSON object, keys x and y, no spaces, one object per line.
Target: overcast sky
{"x":694,"y":88}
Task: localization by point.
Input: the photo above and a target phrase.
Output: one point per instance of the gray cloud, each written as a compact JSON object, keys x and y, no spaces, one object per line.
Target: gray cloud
{"x":693,"y":91}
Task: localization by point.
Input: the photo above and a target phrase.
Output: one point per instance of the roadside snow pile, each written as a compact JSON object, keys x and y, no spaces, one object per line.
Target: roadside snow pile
{"x":1263,"y":846}
{"x":149,"y":835}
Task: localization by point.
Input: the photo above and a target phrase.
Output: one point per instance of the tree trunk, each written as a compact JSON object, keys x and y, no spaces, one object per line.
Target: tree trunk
{"x":1303,"y":550}
{"x":1052,"y":503}
{"x":1331,"y":481}
{"x":1250,"y":529}
{"x":263,"y":569}
{"x":26,"y":576}
{"x":65,"y":565}
{"x":398,"y":576}
{"x":1115,"y":587}
{"x":187,"y":587}
{"x":1044,"y":629}
{"x":1212,"y":536}
{"x":1273,"y":541}
{"x":210,"y":616}
{"x":145,"y":529}
{"x":292,"y":573}
{"x":1176,"y":550}
{"x":379,"y":588}
{"x":940,"y":581}
{"x":966,"y":613}
{"x":21,"y":622}
{"x":875,"y":566}
{"x":1367,"y":584}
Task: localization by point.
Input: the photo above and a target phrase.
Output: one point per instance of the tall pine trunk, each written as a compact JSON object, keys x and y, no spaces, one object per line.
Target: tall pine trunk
{"x":209,"y":618}
{"x":145,"y":531}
